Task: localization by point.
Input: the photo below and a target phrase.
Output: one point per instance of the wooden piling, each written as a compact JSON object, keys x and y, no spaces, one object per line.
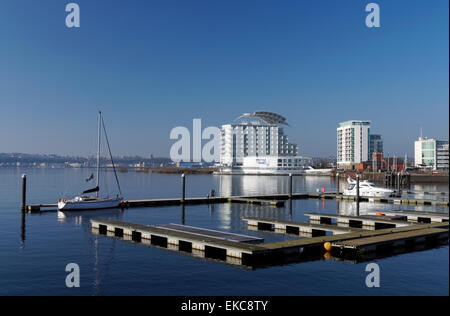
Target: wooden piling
{"x":24,"y":191}
{"x":357,"y":194}
{"x":183,"y":188}
{"x":290,"y":186}
{"x":337,"y":182}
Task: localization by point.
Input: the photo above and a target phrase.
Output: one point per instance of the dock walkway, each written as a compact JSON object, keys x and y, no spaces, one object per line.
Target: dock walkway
{"x":211,"y":233}
{"x":305,"y":243}
{"x":417,"y":216}
{"x":376,"y":222}
{"x":401,"y":239}
{"x":296,"y":227}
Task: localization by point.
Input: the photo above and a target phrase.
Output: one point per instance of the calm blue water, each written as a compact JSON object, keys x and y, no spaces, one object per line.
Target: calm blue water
{"x":33,"y":262}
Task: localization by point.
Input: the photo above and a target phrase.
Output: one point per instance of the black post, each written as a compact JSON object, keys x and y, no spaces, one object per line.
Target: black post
{"x":182,"y":214}
{"x":357,"y":194}
{"x":337,"y":182}
{"x":24,"y":192}
{"x":290,"y":186}
{"x":183,"y":188}
{"x":22,"y":229}
{"x":290,"y":209}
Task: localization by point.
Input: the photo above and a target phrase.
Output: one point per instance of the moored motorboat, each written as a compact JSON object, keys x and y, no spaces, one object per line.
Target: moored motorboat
{"x":366,"y":188}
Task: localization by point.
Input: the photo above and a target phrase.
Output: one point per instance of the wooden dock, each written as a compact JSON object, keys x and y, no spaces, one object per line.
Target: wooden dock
{"x":275,"y":200}
{"x":213,"y":243}
{"x":368,"y":221}
{"x":275,"y":203}
{"x":416,"y":216}
{"x":393,"y":240}
{"x":296,"y":227}
{"x":396,"y":200}
{"x":314,"y":243}
{"x":211,"y":233}
{"x":242,"y":249}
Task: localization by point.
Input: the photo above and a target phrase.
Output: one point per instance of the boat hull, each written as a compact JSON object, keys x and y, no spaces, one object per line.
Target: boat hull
{"x":369,"y":193}
{"x":89,"y":205}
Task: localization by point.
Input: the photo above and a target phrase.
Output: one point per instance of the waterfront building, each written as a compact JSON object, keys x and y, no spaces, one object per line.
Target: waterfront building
{"x":353,"y":144}
{"x":375,"y":145}
{"x":431,"y":153}
{"x":257,"y":142}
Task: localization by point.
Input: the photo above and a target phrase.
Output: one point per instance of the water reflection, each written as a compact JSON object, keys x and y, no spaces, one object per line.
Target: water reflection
{"x":349,"y":208}
{"x":266,"y":185}
{"x":22,"y":229}
{"x":77,"y":217}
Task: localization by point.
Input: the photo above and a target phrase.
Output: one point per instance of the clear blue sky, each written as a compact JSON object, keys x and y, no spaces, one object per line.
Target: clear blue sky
{"x":154,"y":65}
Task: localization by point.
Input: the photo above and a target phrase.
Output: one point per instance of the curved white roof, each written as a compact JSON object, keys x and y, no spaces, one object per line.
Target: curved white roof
{"x":267,"y":117}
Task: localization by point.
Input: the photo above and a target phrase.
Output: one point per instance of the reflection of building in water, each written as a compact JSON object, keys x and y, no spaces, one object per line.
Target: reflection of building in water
{"x":314,"y":183}
{"x":266,"y":185}
{"x":230,"y":214}
{"x":252,"y":185}
{"x":348,"y":208}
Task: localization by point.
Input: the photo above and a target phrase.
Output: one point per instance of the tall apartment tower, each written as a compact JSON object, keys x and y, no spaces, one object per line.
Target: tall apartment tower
{"x":376,"y":144}
{"x":353,"y":143}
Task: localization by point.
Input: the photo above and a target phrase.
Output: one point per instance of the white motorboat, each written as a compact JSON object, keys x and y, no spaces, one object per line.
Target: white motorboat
{"x":86,"y":202}
{"x":366,"y":188}
{"x":312,"y":171}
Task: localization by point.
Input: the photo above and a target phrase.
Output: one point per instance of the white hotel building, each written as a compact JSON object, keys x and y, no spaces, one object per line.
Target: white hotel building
{"x":257,"y":144}
{"x":353,"y":142}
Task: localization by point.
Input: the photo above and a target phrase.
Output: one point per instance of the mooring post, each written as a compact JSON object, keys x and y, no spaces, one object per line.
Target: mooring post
{"x":337,"y":182}
{"x":183,"y":188}
{"x":290,"y":186}
{"x":290,"y":209}
{"x":24,"y":192}
{"x":357,"y":194}
{"x":182,"y":214}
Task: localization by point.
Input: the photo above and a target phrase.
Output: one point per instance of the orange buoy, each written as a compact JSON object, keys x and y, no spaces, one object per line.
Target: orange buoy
{"x":327,"y":246}
{"x":380,"y":214}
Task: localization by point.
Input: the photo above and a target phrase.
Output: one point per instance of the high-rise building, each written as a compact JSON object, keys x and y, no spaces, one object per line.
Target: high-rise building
{"x":352,"y":143}
{"x":431,"y":153}
{"x":376,"y":144}
{"x":258,"y":142}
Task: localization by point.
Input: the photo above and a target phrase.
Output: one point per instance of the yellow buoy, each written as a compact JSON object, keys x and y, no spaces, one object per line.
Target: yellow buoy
{"x":327,"y":246}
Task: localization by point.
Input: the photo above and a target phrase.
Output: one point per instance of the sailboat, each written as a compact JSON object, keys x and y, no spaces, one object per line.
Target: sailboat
{"x":94,"y":202}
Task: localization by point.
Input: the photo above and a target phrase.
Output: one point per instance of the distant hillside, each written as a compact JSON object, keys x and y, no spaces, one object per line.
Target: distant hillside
{"x":25,"y":159}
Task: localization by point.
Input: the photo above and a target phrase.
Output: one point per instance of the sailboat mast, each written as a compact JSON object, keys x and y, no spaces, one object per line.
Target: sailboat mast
{"x":98,"y":151}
